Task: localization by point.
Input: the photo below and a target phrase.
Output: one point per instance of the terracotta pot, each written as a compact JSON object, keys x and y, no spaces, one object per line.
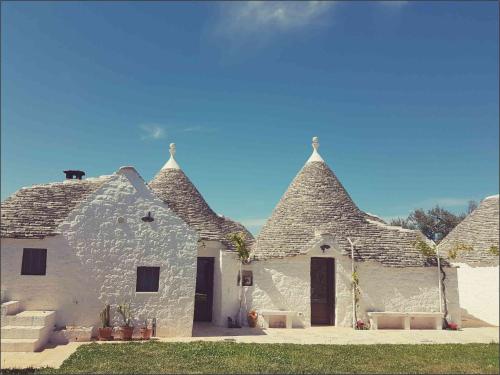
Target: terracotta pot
{"x":126,"y":332}
{"x":252,"y":320}
{"x":145,"y":333}
{"x":106,"y":333}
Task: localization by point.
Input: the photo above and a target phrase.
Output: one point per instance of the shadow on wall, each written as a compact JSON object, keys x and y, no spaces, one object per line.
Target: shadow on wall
{"x":470,"y":321}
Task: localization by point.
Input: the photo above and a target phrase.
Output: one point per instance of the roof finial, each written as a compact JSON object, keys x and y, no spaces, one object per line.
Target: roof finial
{"x":315,"y":143}
{"x":171,"y":163}
{"x":315,"y":156}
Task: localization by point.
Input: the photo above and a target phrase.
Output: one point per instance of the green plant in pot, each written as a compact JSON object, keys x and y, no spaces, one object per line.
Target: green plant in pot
{"x":252,"y":319}
{"x":105,"y":331}
{"x":145,"y":331}
{"x":127,"y":329}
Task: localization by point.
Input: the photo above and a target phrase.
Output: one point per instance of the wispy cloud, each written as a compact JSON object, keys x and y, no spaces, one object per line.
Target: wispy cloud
{"x":152,"y":131}
{"x":198,"y":129}
{"x":262,"y":19}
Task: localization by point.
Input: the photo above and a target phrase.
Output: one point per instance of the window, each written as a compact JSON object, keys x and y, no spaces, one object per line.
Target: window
{"x":34,"y":262}
{"x":147,"y":279}
{"x":247,"y":278}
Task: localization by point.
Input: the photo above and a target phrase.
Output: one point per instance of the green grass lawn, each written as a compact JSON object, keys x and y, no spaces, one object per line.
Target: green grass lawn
{"x":226,"y":357}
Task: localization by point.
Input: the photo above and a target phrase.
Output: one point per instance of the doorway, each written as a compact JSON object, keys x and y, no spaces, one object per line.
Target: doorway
{"x":203,"y":299}
{"x":323,"y":291}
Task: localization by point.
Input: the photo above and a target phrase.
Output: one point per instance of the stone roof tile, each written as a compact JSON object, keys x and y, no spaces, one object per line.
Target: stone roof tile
{"x":480,"y":230}
{"x":37,"y":211}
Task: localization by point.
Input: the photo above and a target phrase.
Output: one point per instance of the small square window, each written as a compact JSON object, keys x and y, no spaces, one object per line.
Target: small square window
{"x":148,"y":279}
{"x":34,"y":262}
{"x":247,"y":277}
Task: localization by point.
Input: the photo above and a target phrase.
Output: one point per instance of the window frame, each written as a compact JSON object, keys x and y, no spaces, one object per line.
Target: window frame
{"x":34,"y":262}
{"x":147,"y":285}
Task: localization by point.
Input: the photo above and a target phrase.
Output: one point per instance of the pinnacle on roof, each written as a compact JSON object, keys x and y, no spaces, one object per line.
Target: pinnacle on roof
{"x":173,"y":186}
{"x":315,"y":156}
{"x":171,"y":163}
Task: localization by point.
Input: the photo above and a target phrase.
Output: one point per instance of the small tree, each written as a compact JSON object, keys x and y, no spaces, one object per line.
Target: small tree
{"x":239,"y":241}
{"x":434,"y":223}
{"x":430,"y":251}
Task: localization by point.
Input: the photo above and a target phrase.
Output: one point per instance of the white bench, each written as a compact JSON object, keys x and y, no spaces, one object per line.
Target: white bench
{"x":266,"y":314}
{"x":406,"y":317}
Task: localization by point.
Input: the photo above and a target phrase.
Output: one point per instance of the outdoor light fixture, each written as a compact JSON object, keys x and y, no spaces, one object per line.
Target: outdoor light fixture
{"x":148,"y":218}
{"x":324,"y":247}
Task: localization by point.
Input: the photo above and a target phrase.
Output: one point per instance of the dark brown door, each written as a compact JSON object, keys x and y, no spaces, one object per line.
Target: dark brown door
{"x":323,"y":291}
{"x":204,"y":290}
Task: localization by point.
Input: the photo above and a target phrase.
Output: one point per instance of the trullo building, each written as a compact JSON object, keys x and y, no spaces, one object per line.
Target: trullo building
{"x":302,"y":259}
{"x":475,"y":244}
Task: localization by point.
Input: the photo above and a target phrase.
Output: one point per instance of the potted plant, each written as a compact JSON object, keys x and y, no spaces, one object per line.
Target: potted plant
{"x":252,"y":319}
{"x":145,"y":331}
{"x":105,"y":331}
{"x":127,"y":329}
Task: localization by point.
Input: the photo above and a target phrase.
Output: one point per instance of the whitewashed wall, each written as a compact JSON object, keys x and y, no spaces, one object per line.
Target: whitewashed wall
{"x":285,"y":284}
{"x":479,"y":290}
{"x":95,"y":259}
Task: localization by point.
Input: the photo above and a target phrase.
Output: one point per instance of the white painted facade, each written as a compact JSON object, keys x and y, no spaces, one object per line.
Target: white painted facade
{"x":95,"y":258}
{"x":478,"y":288}
{"x":285,"y":284}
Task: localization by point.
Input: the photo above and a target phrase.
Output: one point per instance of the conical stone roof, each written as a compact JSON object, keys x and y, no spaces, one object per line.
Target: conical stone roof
{"x":316,"y":202}
{"x":478,"y":230}
{"x":173,"y":186}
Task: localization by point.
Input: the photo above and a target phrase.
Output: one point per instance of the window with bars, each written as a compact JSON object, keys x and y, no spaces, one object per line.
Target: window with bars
{"x":34,"y":262}
{"x":148,"y":279}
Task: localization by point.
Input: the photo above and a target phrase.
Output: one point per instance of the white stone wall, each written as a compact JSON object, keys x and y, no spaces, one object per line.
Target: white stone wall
{"x":479,"y":290}
{"x":94,"y":261}
{"x":285,"y":284}
{"x":406,"y":289}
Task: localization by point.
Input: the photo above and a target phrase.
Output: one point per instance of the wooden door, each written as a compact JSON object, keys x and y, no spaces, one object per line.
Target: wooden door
{"x":323,"y":291}
{"x":203,"y":299}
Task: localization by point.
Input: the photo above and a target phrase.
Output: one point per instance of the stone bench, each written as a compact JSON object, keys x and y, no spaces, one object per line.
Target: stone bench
{"x":406,"y":319}
{"x":266,"y":314}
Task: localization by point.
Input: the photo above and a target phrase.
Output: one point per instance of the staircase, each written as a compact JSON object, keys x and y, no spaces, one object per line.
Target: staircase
{"x":24,"y":331}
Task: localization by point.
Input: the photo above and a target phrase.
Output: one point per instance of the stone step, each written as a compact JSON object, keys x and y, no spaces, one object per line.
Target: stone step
{"x":30,"y":318}
{"x":20,"y":345}
{"x":10,"y":308}
{"x":23,"y":332}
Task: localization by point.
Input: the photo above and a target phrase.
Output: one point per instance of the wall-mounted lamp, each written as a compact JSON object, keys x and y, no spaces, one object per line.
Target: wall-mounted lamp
{"x":148,"y":218}
{"x":324,"y":247}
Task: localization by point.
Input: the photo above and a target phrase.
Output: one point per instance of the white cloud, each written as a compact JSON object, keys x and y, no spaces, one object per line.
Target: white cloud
{"x":260,"y":18}
{"x":152,"y":131}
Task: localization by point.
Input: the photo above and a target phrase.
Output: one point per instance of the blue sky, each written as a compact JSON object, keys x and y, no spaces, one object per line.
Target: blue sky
{"x":403,"y":96}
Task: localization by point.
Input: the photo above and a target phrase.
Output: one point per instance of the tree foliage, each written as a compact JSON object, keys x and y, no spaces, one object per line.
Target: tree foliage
{"x":434,"y":223}
{"x":239,"y":241}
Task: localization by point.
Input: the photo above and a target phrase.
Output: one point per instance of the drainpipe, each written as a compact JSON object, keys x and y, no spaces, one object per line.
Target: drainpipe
{"x":439,"y":276}
{"x":353,"y":286}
